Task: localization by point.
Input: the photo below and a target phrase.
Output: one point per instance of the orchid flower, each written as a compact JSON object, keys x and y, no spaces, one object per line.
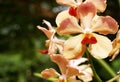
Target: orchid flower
{"x":74,"y":4}
{"x":69,"y":70}
{"x":53,"y":43}
{"x":88,"y":23}
{"x":116,"y":46}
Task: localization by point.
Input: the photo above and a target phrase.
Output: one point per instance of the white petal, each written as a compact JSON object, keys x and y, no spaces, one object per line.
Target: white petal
{"x":102,"y":48}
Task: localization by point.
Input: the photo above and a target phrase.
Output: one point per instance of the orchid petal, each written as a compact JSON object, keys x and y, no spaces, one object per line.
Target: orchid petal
{"x":72,"y":71}
{"x":105,"y":25}
{"x":50,"y":32}
{"x":116,"y":46}
{"x":76,"y":62}
{"x":49,"y":73}
{"x":73,"y":48}
{"x":60,"y":61}
{"x":86,"y":11}
{"x":102,"y":48}
{"x":99,"y":4}
{"x":67,"y":24}
{"x":66,"y":2}
{"x":87,"y":73}
{"x":73,"y":79}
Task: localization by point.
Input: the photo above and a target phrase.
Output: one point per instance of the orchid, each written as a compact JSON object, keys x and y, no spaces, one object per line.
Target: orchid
{"x":86,"y":30}
{"x":116,"y":46}
{"x":69,"y":70}
{"x":88,"y":23}
{"x":53,"y":43}
{"x":74,"y":4}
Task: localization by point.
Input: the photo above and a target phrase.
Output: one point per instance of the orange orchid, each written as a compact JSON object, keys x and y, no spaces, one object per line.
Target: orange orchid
{"x":73,"y":4}
{"x":69,"y":70}
{"x":116,"y":46}
{"x":86,"y":23}
{"x":53,"y":43}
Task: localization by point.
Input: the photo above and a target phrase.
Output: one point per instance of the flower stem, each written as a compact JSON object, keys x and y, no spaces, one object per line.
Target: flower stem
{"x":92,"y":66}
{"x":107,"y":67}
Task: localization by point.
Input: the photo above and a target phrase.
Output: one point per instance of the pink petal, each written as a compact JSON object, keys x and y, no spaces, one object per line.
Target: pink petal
{"x":99,"y":4}
{"x":67,"y":24}
{"x":102,"y":48}
{"x":50,"y":32}
{"x":60,"y":61}
{"x":86,"y":11}
{"x":105,"y":25}
{"x":73,"y":48}
{"x":46,"y":32}
{"x":49,"y":73}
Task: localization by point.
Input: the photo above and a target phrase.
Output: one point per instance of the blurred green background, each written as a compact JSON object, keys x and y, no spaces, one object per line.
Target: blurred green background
{"x":20,"y":39}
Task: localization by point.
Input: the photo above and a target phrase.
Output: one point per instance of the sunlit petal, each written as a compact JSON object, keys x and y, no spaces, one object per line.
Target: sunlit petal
{"x":99,"y":4}
{"x":73,"y":47}
{"x":86,"y":11}
{"x":102,"y":48}
{"x":104,"y":25}
{"x":49,"y":73}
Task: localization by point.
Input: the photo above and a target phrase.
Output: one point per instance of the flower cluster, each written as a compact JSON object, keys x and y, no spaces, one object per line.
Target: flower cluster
{"x":89,"y":29}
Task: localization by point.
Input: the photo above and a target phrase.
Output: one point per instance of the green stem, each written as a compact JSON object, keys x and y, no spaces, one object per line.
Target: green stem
{"x":107,"y":67}
{"x":114,"y":78}
{"x":92,"y":66}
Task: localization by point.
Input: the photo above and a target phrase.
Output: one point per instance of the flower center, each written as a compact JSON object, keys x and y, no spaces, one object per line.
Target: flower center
{"x":89,"y":39}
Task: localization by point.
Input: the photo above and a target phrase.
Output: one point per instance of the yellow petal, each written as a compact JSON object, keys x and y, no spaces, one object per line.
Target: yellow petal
{"x":99,"y":4}
{"x":73,"y":47}
{"x":102,"y":48}
{"x":104,"y":25}
{"x":49,"y":73}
